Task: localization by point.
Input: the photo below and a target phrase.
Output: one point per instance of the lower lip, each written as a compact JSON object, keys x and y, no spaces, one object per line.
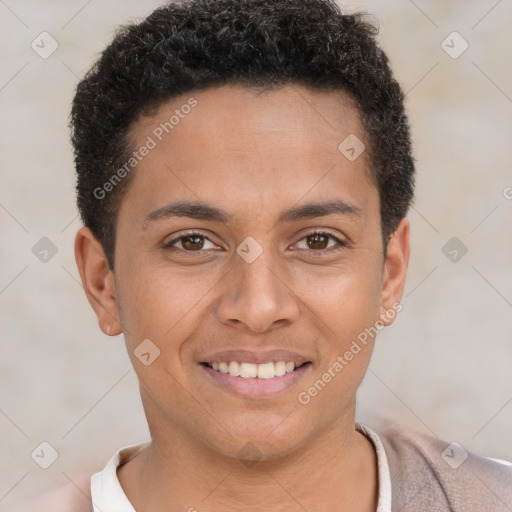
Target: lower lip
{"x":255,"y":387}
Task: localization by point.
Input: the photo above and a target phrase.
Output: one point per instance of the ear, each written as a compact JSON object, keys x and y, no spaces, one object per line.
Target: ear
{"x":395,"y":268}
{"x":97,"y":281}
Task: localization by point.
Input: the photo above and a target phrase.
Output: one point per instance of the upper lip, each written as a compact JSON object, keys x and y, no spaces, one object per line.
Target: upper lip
{"x":255,"y":356}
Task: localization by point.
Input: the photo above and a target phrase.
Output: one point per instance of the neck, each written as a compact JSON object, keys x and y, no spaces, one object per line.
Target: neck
{"x":336,"y":469}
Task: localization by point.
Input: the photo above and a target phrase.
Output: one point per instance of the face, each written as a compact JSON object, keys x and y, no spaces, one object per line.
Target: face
{"x":249,"y":243}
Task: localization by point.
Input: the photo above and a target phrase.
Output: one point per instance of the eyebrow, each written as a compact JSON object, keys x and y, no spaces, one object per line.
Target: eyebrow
{"x":201,"y":211}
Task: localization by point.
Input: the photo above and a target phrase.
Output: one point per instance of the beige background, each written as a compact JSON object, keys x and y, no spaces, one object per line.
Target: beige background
{"x":443,"y":367}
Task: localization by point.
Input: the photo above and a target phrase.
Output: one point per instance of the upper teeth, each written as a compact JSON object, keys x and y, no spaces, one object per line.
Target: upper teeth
{"x":251,"y":370}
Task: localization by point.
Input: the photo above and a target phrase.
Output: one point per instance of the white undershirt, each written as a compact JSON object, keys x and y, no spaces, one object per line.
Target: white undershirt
{"x":108,"y":495}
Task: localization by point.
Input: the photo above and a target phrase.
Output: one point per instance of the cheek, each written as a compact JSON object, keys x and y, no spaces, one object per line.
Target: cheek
{"x":163,"y":304}
{"x":347,"y":308}
{"x":345,"y":299}
{"x":165,"y":307}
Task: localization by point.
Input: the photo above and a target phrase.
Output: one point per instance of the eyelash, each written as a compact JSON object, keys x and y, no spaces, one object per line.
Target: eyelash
{"x":341,"y":243}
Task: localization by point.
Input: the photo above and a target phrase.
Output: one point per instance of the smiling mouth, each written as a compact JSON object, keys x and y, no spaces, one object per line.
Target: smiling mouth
{"x":268,"y":370}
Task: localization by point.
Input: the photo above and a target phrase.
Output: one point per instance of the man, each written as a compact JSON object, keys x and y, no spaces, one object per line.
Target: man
{"x":244,"y":174}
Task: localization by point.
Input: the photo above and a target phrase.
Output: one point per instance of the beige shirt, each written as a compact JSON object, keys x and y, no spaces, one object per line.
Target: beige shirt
{"x":108,"y":495}
{"x":416,"y":473}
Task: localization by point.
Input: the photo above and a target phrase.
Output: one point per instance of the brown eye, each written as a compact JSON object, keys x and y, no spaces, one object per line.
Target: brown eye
{"x":318,"y":241}
{"x":322,"y":242}
{"x":190,"y":242}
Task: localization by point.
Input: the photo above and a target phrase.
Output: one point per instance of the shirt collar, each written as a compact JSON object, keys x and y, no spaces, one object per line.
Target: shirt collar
{"x":108,"y":495}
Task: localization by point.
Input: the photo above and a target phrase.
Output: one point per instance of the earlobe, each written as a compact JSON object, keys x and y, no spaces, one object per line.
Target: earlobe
{"x":395,"y":269}
{"x":98,"y":281}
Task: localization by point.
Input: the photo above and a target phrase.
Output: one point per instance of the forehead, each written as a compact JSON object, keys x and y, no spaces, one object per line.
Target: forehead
{"x":246,"y":147}
{"x":233,"y":117}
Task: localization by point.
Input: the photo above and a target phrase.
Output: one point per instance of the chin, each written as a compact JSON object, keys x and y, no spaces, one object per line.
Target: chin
{"x":260,"y":437}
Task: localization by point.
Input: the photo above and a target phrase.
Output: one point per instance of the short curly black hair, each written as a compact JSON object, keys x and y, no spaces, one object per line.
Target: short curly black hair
{"x":191,"y":45}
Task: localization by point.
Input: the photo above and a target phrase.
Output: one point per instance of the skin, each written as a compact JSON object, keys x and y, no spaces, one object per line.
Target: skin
{"x":253,"y":156}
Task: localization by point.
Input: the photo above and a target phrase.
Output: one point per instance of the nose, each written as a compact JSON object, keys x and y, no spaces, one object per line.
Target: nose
{"x":259,"y":295}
